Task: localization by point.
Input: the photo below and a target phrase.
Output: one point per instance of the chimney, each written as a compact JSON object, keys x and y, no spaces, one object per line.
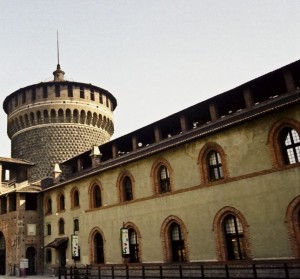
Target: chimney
{"x":96,"y":156}
{"x":56,"y":173}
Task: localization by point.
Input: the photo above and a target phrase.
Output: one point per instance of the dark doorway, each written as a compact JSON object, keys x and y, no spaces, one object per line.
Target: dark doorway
{"x":31,"y":256}
{"x":2,"y":255}
{"x":62,"y":254}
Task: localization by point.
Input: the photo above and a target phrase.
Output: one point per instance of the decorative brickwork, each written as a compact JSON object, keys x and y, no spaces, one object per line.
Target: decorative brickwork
{"x":52,"y":144}
{"x":203,"y":163}
{"x":155,"y":177}
{"x":218,"y":229}
{"x":293,"y":224}
{"x":166,"y":241}
{"x":120,"y":185}
{"x":130,"y":225}
{"x":274,"y":139}
{"x":91,"y":242}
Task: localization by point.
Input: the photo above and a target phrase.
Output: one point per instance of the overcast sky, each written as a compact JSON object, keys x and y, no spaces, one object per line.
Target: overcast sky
{"x":156,"y":57}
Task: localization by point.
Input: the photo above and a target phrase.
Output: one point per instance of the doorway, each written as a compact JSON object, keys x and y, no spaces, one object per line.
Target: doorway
{"x":31,"y":256}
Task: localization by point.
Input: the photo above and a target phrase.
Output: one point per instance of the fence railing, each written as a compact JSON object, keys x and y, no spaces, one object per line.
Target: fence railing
{"x":266,"y":270}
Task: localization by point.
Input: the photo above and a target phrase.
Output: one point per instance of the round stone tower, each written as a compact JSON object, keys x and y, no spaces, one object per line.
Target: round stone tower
{"x":50,"y":122}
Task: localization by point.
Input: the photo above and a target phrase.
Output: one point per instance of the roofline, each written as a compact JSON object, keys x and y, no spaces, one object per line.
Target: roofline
{"x":213,"y":127}
{"x":64,"y":82}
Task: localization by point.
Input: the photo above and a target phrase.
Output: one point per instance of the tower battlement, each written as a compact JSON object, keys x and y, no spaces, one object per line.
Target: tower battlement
{"x":50,"y":122}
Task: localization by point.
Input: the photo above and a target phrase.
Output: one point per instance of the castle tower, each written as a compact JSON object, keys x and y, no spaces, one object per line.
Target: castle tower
{"x":50,"y":122}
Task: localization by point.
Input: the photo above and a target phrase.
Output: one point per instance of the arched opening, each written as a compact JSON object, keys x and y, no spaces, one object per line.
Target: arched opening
{"x":133,"y":246}
{"x":98,"y":248}
{"x":31,"y":256}
{"x":2,"y":254}
{"x":234,"y":235}
{"x":177,"y":243}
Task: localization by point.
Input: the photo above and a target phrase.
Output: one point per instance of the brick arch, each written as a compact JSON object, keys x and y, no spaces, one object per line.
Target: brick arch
{"x":274,"y":142}
{"x":75,"y":188}
{"x":165,"y":239}
{"x":93,"y":184}
{"x":219,"y":233}
{"x":130,"y":225}
{"x":60,"y":194}
{"x":154,"y":174}
{"x":119,"y":184}
{"x":292,"y":220}
{"x":39,"y":117}
{"x":202,"y":160}
{"x":92,"y":234}
{"x":48,"y":210}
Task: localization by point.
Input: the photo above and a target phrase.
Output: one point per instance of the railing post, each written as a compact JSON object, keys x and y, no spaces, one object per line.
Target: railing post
{"x":227,"y":271}
{"x":99,"y":272}
{"x":180,"y":271}
{"x":254,"y":270}
{"x":87,"y":272}
{"x":160,"y":272}
{"x":59,"y":273}
{"x":66,"y":273}
{"x":202,"y":271}
{"x":143,"y":271}
{"x":127,"y":272}
{"x":112,"y":272}
{"x":286,"y":270}
{"x":71,"y":272}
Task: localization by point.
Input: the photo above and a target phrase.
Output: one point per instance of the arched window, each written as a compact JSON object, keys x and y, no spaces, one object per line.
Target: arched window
{"x":76,"y":225}
{"x":290,"y":145}
{"x":48,"y":209}
{"x":61,"y":226}
{"x":293,"y":224}
{"x":214,"y":166}
{"x":133,"y":246}
{"x":49,"y":231}
{"x":75,"y":198}
{"x":96,"y":196}
{"x":163,"y":179}
{"x":234,"y":235}
{"x":98,"y":248}
{"x":61,"y":202}
{"x":127,"y":189}
{"x":177,"y":243}
{"x":231,"y":235}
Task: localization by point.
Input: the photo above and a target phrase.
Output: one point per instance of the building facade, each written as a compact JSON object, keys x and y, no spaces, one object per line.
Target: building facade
{"x":218,"y":181}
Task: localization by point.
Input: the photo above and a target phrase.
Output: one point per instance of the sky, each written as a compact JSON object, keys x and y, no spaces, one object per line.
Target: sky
{"x":156,"y":57}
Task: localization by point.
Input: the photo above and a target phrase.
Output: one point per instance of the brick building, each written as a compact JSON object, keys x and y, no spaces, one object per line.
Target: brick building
{"x":218,"y":181}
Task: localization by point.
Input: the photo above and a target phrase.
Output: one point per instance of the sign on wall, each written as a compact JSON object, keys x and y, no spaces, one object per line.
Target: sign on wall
{"x":74,"y":246}
{"x":125,"y":242}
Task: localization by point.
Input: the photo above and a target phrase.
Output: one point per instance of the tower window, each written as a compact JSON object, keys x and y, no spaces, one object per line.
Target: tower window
{"x":23,"y":97}
{"x":92,"y":95}
{"x":45,"y":92}
{"x":81,"y":92}
{"x":70,"y":91}
{"x":33,"y":96}
{"x":101,"y":98}
{"x":57,"y":90}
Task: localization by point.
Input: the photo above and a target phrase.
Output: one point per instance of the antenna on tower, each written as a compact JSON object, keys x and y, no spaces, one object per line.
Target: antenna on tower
{"x":57,"y":48}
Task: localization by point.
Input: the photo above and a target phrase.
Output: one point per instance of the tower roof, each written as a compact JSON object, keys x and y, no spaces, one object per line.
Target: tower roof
{"x":59,"y":74}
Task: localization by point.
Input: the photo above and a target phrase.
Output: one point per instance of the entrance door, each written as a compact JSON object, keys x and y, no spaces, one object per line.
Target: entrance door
{"x":62,"y":255}
{"x":2,"y":255}
{"x":31,"y":256}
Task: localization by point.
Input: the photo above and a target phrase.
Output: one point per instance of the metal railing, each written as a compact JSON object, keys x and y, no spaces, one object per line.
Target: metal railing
{"x":266,"y":270}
